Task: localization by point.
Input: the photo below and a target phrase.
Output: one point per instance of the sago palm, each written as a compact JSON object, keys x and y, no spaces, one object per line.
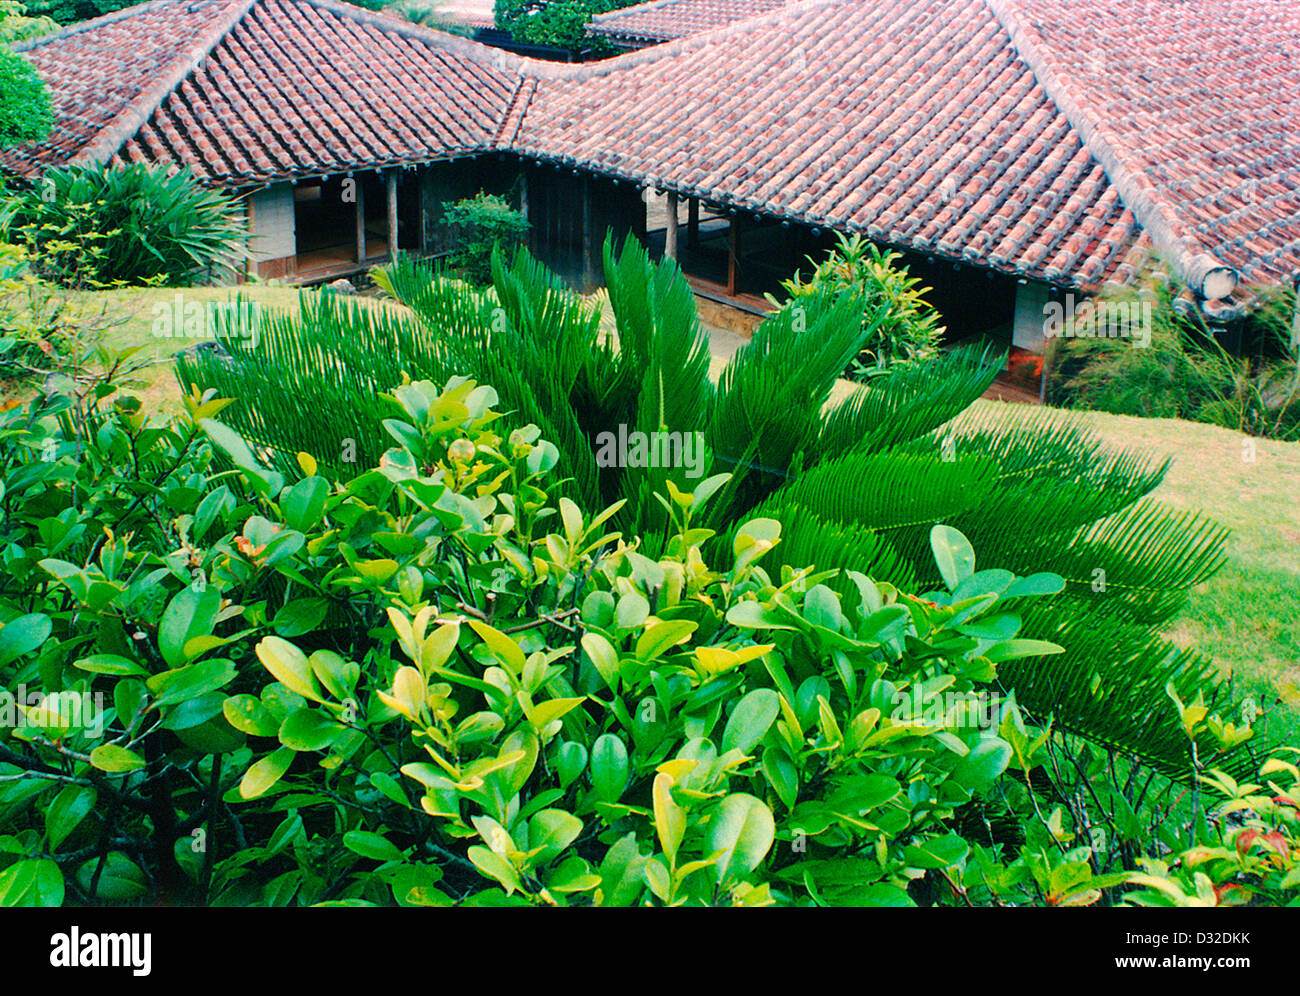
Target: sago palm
{"x":856,"y":483}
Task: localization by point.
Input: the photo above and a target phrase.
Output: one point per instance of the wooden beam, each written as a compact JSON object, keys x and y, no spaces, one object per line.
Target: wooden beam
{"x":361,"y":219}
{"x":693,"y":222}
{"x":391,"y":230}
{"x":670,"y":233}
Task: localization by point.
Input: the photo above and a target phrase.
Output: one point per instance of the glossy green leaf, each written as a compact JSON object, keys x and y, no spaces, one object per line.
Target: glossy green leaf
{"x":741,"y":832}
{"x":750,"y":720}
{"x":189,"y":614}
{"x":263,"y":775}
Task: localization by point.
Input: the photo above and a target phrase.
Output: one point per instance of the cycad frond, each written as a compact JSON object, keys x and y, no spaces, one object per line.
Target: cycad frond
{"x":767,"y":409}
{"x":664,"y":355}
{"x":908,"y":402}
{"x":1109,"y":687}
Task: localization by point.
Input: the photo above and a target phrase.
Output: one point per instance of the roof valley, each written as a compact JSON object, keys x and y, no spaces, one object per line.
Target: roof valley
{"x":1189,"y":257}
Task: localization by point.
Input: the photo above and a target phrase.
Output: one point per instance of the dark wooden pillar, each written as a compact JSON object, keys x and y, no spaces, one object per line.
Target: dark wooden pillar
{"x":588,"y":260}
{"x":391,"y":228}
{"x":693,"y":222}
{"x":733,"y":256}
{"x":423,"y":201}
{"x":670,"y":233}
{"x":523,"y":206}
{"x":361,"y":218}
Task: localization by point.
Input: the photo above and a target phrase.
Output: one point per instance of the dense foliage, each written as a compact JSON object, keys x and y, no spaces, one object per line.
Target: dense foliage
{"x":1187,"y":371}
{"x":71,"y":11}
{"x":98,"y":226}
{"x":560,"y":24}
{"x":857,"y":483}
{"x":25,"y":114}
{"x":440,"y":683}
{"x":17,"y":25}
{"x":480,"y":225}
{"x":903,"y":325}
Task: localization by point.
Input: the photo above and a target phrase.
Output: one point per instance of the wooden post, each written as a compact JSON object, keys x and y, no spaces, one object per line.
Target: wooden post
{"x":250,"y":223}
{"x":693,"y":222}
{"x":1295,"y":321}
{"x":392,"y":213}
{"x":422,"y":203}
{"x":523,"y":206}
{"x":361,"y":219}
{"x":670,"y":233}
{"x":588,"y":263}
{"x":733,"y":256}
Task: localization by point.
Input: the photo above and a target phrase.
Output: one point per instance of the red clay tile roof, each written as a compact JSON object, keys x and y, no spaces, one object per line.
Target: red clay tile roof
{"x":261,"y":90}
{"x":1194,"y":110}
{"x":914,"y":123}
{"x":664,"y":20}
{"x":980,"y":130}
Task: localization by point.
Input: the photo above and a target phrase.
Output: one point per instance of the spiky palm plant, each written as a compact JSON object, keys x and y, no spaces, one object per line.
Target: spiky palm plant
{"x":856,"y":483}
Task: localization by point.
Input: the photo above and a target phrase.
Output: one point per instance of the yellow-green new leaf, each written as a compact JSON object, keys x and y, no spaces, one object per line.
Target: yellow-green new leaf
{"x":114,"y":759}
{"x":439,"y":647}
{"x":670,"y":818}
{"x":547,"y":712}
{"x":289,"y":666}
{"x":265,"y":773}
{"x":496,"y":867}
{"x":657,"y":639}
{"x":408,"y":695}
{"x":505,"y":649}
{"x":603,"y":656}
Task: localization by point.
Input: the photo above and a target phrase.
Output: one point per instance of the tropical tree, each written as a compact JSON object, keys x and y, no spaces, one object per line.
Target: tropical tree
{"x":858,"y":480}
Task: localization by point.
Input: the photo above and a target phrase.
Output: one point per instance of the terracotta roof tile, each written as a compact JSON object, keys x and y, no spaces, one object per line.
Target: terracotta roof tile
{"x":992,"y":131}
{"x":914,"y":123}
{"x":664,"y":20}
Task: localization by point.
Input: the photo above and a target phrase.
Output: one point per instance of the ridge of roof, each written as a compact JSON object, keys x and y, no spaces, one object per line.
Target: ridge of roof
{"x":518,"y":99}
{"x":95,"y":22}
{"x":603,"y":67}
{"x":112,"y":137}
{"x":497,"y":58}
{"x":610,"y":15}
{"x":1189,"y":258}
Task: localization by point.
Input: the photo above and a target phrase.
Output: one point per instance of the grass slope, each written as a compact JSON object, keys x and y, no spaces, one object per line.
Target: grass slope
{"x":1246,"y":617}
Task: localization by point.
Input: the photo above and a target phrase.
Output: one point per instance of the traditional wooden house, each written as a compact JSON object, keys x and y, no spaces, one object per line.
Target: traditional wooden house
{"x":1013,"y":149}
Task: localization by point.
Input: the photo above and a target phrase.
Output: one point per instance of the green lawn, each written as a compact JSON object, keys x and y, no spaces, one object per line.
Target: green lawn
{"x":1247,"y":617}
{"x":129,"y":320}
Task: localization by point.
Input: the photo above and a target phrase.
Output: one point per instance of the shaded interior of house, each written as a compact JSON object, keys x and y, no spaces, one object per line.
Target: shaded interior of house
{"x":319,"y":229}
